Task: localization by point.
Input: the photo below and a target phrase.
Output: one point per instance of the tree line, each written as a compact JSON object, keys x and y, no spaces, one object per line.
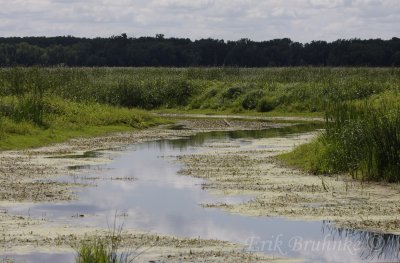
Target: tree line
{"x":124,"y":51}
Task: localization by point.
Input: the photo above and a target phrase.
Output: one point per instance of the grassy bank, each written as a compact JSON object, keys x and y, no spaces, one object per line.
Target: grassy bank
{"x":362,"y":138}
{"x":42,"y":105}
{"x":25,"y":123}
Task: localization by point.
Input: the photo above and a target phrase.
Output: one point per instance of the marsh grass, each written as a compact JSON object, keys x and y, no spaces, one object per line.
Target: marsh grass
{"x":103,"y":250}
{"x":60,"y":119}
{"x":361,"y":138}
{"x":111,"y":248}
{"x":271,"y":89}
{"x":38,"y":102}
{"x":365,"y":139}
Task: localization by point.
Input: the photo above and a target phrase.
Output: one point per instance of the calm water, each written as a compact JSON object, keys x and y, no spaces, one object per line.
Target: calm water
{"x":161,"y":201}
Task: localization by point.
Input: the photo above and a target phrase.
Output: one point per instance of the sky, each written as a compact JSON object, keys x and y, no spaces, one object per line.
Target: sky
{"x":300,"y":20}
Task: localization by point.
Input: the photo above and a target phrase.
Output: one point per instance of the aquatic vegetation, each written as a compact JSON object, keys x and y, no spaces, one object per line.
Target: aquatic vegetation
{"x":279,"y":191}
{"x":361,"y":138}
{"x":365,"y":139}
{"x":42,"y":105}
{"x":101,"y":250}
{"x":95,"y":252}
{"x":105,"y":249}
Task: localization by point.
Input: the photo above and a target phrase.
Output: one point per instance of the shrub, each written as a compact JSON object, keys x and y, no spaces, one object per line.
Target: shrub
{"x":211,"y":93}
{"x":251,"y":99}
{"x":233,"y":93}
{"x":266,"y":104}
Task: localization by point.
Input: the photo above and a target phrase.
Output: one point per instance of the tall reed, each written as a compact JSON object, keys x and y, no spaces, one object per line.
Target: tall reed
{"x":365,"y":139}
{"x":284,"y":89}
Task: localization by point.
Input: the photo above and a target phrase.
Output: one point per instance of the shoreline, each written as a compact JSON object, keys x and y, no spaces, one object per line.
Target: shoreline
{"x":30,"y":176}
{"x":277,"y":190}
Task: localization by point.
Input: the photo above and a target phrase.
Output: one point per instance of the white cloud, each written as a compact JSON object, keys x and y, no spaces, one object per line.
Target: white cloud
{"x":301,"y":20}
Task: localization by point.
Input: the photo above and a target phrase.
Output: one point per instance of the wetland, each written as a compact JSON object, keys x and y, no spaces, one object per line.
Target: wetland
{"x":200,"y":165}
{"x":185,"y":193}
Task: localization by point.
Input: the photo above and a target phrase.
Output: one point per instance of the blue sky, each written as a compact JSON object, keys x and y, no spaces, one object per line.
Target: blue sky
{"x":300,"y":20}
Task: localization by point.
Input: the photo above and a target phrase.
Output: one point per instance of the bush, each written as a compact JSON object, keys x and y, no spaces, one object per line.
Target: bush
{"x":211,"y":93}
{"x":266,"y":104}
{"x":179,"y":93}
{"x":250,"y":101}
{"x":233,"y":93}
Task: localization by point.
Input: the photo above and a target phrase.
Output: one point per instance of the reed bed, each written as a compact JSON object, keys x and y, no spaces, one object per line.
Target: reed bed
{"x":234,"y":89}
{"x":361,"y":138}
{"x":364,"y":139}
{"x":361,"y":105}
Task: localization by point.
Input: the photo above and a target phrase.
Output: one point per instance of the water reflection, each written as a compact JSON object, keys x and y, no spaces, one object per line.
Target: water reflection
{"x":373,"y":245}
{"x":88,"y":154}
{"x":201,"y":138}
{"x":161,"y":201}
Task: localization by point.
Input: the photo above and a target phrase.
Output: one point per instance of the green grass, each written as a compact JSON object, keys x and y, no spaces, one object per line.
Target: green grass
{"x":362,"y":138}
{"x":45,"y":137}
{"x":311,"y":157}
{"x":39,"y":106}
{"x":94,"y":252}
{"x":102,"y":250}
{"x":235,"y":90}
{"x":106,"y":249}
{"x":62,"y":120}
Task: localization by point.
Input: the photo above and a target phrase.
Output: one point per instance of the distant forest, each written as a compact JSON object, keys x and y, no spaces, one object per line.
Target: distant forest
{"x":124,"y":51}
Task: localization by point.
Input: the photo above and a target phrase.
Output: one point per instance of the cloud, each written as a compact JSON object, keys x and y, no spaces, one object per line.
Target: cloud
{"x":301,"y":20}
